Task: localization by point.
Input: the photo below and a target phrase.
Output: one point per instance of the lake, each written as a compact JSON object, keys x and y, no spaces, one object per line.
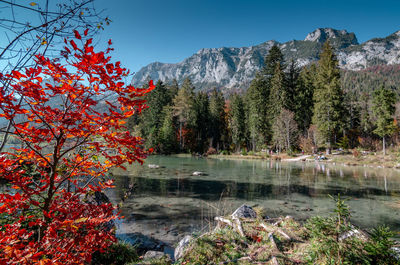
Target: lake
{"x":167,"y":203}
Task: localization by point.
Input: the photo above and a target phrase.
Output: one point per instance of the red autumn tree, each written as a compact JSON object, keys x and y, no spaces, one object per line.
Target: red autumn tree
{"x":69,"y":118}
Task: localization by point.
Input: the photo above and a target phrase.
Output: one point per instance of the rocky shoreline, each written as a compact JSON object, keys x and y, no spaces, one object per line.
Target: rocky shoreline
{"x":248,"y":237}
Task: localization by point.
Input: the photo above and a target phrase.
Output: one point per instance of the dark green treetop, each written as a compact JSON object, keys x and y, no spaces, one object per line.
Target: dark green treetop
{"x":329,"y":110}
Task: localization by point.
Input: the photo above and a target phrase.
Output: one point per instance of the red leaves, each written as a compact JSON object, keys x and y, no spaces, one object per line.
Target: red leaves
{"x":64,"y":142}
{"x":73,"y":44}
{"x":18,"y":75}
{"x":77,"y":35}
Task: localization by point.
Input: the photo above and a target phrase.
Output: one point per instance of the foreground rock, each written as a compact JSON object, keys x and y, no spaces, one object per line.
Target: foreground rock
{"x":182,"y":247}
{"x":244,"y":211}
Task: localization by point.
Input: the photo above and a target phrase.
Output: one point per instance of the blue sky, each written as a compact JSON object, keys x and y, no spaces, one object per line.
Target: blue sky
{"x":144,"y":31}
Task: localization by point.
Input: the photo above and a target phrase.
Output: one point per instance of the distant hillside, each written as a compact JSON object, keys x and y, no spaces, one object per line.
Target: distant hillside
{"x":371,"y":78}
{"x":234,"y":68}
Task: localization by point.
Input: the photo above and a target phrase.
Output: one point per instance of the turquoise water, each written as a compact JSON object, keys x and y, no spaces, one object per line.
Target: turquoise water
{"x":169,"y":202}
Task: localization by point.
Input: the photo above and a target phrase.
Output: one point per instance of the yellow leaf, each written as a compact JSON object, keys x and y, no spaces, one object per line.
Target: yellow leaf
{"x":81,"y":13}
{"x":33,"y":4}
{"x":83,"y":219}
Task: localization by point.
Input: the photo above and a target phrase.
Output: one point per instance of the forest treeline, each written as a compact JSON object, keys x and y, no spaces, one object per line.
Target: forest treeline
{"x":286,"y":108}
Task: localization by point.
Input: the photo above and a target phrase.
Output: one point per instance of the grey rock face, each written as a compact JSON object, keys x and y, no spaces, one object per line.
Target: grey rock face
{"x":323,"y":34}
{"x":234,"y":68}
{"x":180,"y":249}
{"x":244,"y":211}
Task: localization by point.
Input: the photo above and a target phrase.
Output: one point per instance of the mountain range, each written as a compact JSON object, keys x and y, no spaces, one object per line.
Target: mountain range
{"x":233,"y":68}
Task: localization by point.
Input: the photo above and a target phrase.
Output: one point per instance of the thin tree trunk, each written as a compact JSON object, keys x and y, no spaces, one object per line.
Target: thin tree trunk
{"x":384,"y":145}
{"x":328,"y":149}
{"x":180,"y":136}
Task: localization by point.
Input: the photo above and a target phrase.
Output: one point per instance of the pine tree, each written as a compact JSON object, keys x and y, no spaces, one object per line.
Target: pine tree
{"x":303,"y":99}
{"x":168,"y":139}
{"x":328,"y":96}
{"x":366,"y":125}
{"x":273,"y":58}
{"x":383,"y":108}
{"x":237,"y":123}
{"x":152,"y":117}
{"x":278,"y":95}
{"x":200,"y":123}
{"x":292,"y":79}
{"x":218,"y":125}
{"x":352,"y":120}
{"x":257,"y":111}
{"x":182,"y":108}
{"x":173,"y":88}
{"x":257,"y":99}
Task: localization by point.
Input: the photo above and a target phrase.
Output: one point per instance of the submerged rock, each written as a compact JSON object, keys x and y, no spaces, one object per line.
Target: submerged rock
{"x":199,"y":173}
{"x":244,"y":211}
{"x":182,"y":245}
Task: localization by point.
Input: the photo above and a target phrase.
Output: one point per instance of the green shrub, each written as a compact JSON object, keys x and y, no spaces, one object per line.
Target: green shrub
{"x":290,"y":152}
{"x":244,"y":152}
{"x":324,"y":235}
{"x":379,"y":247}
{"x":225,"y":152}
{"x":119,"y":253}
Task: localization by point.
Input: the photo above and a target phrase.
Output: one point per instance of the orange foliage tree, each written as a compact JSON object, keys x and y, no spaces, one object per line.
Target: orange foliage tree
{"x":69,"y":117}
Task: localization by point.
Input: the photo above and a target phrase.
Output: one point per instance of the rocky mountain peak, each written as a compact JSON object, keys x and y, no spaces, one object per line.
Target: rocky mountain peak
{"x":234,"y":68}
{"x":323,"y":34}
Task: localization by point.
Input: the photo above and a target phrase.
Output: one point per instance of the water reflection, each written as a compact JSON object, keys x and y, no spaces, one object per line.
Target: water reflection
{"x":169,"y":201}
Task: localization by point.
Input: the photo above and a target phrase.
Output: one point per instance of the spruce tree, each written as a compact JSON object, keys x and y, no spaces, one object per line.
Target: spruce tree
{"x":383,"y":108}
{"x":273,"y":58}
{"x":183,"y":108}
{"x":366,"y":125}
{"x":292,"y":79}
{"x":152,"y":117}
{"x":200,"y":123}
{"x":278,"y":95}
{"x":168,"y":140}
{"x":218,"y":125}
{"x":173,"y":88}
{"x":303,"y":100}
{"x":329,"y":109}
{"x":257,"y":111}
{"x":257,"y":99}
{"x":237,"y":123}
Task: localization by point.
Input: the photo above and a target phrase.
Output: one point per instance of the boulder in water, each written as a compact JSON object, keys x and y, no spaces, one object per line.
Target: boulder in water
{"x":198,"y":173}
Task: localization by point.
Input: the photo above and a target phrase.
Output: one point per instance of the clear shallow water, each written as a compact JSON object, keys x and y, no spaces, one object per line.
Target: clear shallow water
{"x":167,"y":203}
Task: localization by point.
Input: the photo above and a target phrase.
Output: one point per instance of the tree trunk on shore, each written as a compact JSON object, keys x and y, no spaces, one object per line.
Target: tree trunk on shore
{"x":384,"y":145}
{"x":329,"y":148}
